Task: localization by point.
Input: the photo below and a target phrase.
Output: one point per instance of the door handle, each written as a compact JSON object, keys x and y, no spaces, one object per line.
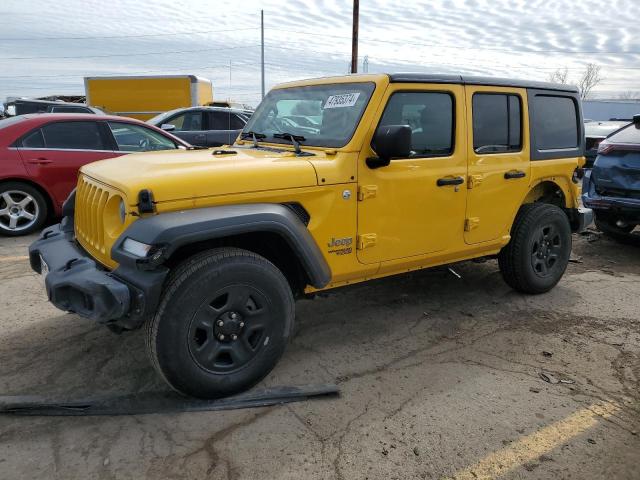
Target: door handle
{"x":514,"y":174}
{"x":39,"y":161}
{"x":443,"y":182}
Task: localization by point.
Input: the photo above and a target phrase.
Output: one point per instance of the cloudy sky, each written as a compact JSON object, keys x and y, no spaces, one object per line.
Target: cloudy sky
{"x":47,"y":47}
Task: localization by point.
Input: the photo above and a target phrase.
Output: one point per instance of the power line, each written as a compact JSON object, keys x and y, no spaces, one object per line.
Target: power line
{"x":456,"y":47}
{"x":192,"y":32}
{"x":186,"y":67}
{"x":129,"y":54}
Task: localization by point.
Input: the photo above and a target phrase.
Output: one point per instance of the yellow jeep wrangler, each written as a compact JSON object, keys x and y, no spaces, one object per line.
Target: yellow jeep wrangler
{"x":333,"y":181}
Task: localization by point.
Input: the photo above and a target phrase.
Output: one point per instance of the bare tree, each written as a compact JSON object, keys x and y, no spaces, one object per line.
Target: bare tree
{"x":629,"y":95}
{"x":590,"y":78}
{"x":559,"y":76}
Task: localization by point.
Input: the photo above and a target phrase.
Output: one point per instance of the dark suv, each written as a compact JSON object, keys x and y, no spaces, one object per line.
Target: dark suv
{"x":203,"y":126}
{"x":612,"y":187}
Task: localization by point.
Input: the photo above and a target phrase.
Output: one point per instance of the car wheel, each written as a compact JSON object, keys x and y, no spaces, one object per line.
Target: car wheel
{"x":222,"y":324}
{"x":23,"y":209}
{"x":538,"y":254}
{"x":610,"y":229}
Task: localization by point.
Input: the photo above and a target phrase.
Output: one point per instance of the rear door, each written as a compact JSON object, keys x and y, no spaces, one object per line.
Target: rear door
{"x":54,"y":152}
{"x":498,"y":156}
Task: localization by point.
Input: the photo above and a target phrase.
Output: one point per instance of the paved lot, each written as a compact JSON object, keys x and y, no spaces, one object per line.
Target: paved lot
{"x":439,"y":378}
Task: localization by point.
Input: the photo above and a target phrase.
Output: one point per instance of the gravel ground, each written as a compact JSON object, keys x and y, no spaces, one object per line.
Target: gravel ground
{"x":439,"y":378}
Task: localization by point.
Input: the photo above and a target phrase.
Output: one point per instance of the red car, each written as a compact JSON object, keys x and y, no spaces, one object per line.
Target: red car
{"x":40,"y":155}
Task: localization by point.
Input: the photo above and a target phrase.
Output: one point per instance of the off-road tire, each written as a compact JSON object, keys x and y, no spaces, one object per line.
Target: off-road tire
{"x":176,"y":343}
{"x":611,"y":230}
{"x":37,"y":206}
{"x":522,"y":261}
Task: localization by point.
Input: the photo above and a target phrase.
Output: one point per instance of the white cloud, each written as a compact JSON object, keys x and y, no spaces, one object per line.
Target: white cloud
{"x":516,"y":38}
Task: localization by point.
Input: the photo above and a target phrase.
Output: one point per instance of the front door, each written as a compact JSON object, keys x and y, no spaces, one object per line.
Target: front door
{"x":416,"y":205}
{"x":499,"y":167}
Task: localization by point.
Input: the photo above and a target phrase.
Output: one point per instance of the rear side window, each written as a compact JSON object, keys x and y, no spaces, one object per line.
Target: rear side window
{"x":555,"y":123}
{"x":224,"y":121}
{"x":237,"y":123}
{"x":430,"y":116}
{"x":33,"y":140}
{"x":497,"y":123}
{"x":65,"y":109}
{"x":73,"y":136}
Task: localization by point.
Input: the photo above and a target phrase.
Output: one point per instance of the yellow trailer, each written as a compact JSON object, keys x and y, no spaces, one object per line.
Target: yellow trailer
{"x":145,"y":97}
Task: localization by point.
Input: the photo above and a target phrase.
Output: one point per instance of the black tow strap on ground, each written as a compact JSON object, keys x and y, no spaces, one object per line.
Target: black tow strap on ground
{"x":158,"y":402}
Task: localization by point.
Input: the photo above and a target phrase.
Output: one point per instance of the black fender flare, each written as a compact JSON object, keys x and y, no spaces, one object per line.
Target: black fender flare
{"x":173,"y":230}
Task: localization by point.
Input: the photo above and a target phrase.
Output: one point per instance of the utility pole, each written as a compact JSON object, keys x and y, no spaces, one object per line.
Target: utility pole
{"x":365,"y":64}
{"x":354,"y":37}
{"x":262,"y":47}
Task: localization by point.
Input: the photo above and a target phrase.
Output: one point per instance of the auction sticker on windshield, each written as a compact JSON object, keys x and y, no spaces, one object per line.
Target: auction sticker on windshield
{"x":342,"y":100}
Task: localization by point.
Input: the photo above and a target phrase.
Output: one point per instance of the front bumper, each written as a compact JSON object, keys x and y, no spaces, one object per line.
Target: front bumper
{"x":76,"y":283}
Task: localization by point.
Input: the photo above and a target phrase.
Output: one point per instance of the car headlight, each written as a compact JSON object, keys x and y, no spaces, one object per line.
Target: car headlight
{"x":136,"y":248}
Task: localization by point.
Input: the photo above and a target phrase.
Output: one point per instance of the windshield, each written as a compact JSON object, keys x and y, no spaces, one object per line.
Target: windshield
{"x":158,"y":119}
{"x":324,"y":115}
{"x":7,"y":122}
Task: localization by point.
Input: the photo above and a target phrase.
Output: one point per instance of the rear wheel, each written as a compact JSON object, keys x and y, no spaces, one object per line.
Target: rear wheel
{"x":609,"y":227}
{"x":23,"y":209}
{"x":538,"y":254}
{"x":223,"y":323}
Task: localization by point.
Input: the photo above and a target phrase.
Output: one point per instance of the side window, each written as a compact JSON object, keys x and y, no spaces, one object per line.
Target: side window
{"x":430,"y":116}
{"x":136,"y":138}
{"x":555,"y":122}
{"x":187,"y":122}
{"x":33,"y":140}
{"x":237,"y":123}
{"x":219,"y":120}
{"x":73,"y":136}
{"x":497,"y":123}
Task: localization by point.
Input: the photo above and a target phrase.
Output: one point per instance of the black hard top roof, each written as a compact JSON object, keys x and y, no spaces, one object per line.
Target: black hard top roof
{"x":473,"y":80}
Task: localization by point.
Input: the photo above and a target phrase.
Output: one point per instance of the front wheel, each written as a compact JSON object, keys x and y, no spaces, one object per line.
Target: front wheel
{"x":538,"y":254}
{"x":223,"y":323}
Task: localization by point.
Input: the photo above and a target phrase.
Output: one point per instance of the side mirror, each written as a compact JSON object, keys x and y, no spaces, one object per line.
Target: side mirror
{"x":168,"y":127}
{"x":636,"y":120}
{"x":390,"y":141}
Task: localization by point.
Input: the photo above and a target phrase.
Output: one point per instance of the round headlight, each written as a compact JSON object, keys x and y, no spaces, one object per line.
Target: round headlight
{"x":123,"y":211}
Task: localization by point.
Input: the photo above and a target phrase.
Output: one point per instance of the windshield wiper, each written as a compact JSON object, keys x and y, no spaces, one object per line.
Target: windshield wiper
{"x":254,"y":136}
{"x":295,"y":139}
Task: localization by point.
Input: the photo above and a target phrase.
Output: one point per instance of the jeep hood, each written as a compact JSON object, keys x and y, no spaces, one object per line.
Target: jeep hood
{"x":177,"y":175}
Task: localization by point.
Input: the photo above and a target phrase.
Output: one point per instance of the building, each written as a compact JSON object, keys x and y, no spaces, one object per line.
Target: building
{"x":610,"y":109}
